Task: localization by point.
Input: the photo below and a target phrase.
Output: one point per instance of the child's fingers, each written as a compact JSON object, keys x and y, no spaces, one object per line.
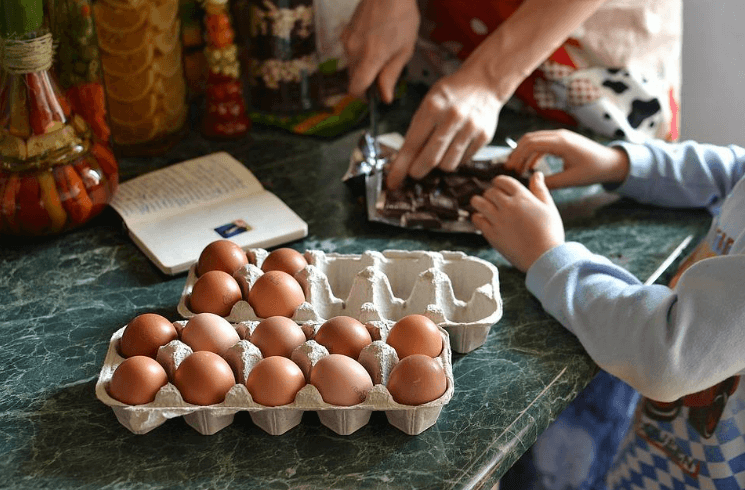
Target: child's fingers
{"x":485,"y":208}
{"x":523,"y":156}
{"x":531,"y":163}
{"x":537,"y":186}
{"x":568,"y":178}
{"x":506,"y":184}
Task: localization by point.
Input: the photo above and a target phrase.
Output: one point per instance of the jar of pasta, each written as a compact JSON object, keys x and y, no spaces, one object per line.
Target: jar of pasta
{"x":140,"y":49}
{"x":283,"y":62}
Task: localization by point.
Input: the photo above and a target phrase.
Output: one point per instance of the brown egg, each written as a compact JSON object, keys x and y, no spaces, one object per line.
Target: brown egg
{"x":415,"y":334}
{"x":343,"y":335}
{"x":275,"y":381}
{"x":286,"y":260}
{"x":215,"y":292}
{"x":277,"y":336}
{"x":137,"y":380}
{"x":341,"y":380}
{"x":209,"y":332}
{"x":204,"y":378}
{"x":145,"y":333}
{"x":417,"y":379}
{"x":275,"y":293}
{"x":221,"y":255}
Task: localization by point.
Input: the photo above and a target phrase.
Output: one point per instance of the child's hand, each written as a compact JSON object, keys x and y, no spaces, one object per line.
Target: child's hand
{"x":585,"y":161}
{"x":520,"y":224}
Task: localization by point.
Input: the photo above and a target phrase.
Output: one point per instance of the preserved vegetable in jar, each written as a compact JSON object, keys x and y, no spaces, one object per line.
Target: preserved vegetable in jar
{"x":56,"y":169}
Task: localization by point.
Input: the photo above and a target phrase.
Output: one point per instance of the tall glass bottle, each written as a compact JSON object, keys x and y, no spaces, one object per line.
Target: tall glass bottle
{"x":55,"y":172}
{"x":225,"y":112}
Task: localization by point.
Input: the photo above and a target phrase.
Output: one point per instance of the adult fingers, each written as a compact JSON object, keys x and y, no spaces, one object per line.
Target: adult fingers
{"x":389,"y":74}
{"x":476,"y":143}
{"x":456,"y":152}
{"x":419,"y":132}
{"x":362,"y":76}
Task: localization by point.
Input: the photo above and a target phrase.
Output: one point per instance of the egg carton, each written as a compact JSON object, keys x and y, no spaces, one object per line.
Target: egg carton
{"x":378,"y":358}
{"x":460,"y":293}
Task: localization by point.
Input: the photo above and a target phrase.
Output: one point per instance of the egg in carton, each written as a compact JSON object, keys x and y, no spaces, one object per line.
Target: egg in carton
{"x":378,"y":358}
{"x":459,"y":292}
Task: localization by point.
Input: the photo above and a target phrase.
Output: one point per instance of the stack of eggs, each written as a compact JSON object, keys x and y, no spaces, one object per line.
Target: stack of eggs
{"x":140,"y":49}
{"x":458,"y":292}
{"x":275,"y":292}
{"x":266,"y":333}
{"x":166,"y":369}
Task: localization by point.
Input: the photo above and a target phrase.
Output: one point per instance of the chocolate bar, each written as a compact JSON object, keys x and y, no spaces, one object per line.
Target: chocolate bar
{"x":440,"y":197}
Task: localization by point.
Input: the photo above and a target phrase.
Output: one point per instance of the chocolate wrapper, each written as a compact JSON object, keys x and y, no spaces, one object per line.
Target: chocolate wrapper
{"x":440,"y":201}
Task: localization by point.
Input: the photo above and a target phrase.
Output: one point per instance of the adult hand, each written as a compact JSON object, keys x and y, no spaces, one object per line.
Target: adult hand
{"x":585,"y":161}
{"x":457,"y":117}
{"x":520,"y":223}
{"x":379,"y":40}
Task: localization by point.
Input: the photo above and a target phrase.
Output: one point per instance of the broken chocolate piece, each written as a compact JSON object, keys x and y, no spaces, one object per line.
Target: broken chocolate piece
{"x":464,"y":191}
{"x":395,"y":203}
{"x":443,"y":206}
{"x":421,"y":219}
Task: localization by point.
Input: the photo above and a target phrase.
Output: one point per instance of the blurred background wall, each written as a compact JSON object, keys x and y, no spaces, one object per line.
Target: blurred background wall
{"x":713,"y":90}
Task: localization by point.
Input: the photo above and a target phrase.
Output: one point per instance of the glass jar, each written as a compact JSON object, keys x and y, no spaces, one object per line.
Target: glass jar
{"x":224,"y":116}
{"x":140,"y":49}
{"x":283,"y":71}
{"x":55,"y":173}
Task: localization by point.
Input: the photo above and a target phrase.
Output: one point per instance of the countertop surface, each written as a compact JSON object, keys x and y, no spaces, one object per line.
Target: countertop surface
{"x":62,"y":297}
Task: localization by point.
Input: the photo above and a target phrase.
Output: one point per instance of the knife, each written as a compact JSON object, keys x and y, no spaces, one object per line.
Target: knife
{"x":372,"y":101}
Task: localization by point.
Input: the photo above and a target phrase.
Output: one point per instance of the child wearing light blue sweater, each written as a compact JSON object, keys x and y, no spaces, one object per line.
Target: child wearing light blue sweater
{"x":682,"y":347}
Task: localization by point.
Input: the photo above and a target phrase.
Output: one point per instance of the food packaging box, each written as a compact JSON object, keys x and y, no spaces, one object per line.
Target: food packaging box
{"x":460,"y":293}
{"x":378,"y":358}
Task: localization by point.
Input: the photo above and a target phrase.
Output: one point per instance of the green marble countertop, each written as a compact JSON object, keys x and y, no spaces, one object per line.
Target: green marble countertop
{"x":62,"y":297}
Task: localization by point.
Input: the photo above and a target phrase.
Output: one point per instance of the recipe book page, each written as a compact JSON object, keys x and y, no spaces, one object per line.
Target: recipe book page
{"x":174,"y":212}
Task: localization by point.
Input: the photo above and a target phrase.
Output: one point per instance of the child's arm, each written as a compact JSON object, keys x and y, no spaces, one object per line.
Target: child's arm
{"x":665,"y":343}
{"x":667,"y":174}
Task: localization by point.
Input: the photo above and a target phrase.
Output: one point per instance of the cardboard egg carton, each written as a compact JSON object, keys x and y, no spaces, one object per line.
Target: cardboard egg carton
{"x":460,"y":293}
{"x":378,"y":359}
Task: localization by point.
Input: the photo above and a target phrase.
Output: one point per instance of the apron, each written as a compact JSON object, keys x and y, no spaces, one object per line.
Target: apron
{"x":618,"y":75}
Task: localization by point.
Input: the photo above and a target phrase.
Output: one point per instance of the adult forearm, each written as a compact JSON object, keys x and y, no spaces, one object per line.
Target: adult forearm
{"x":529,"y":36}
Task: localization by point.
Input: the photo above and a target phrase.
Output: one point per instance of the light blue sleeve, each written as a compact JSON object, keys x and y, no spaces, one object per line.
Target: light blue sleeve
{"x":664,"y":343}
{"x":684,"y":174}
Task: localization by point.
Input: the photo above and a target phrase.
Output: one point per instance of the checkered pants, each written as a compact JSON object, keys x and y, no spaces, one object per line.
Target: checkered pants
{"x":674,"y":456}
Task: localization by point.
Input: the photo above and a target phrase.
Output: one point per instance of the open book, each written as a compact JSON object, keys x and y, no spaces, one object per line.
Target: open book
{"x":173,"y":213}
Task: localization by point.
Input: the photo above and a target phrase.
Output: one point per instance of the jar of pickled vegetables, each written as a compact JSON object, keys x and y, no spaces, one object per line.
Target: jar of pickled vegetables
{"x":56,"y":172}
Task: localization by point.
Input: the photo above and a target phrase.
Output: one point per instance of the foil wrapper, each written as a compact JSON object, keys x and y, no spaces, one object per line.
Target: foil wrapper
{"x":438,"y":202}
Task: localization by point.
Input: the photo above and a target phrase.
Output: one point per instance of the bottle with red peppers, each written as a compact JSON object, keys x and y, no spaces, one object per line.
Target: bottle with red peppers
{"x":56,"y":168}
{"x":225,"y":115}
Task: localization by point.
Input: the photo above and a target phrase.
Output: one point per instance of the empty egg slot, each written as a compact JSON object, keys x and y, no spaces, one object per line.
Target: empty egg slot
{"x":466,"y":276}
{"x":403,"y":267}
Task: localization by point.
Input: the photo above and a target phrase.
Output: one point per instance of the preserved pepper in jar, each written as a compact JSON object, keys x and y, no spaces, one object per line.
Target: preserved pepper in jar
{"x":225,"y":115}
{"x":283,"y":71}
{"x":55,"y":174}
{"x":141,"y":49}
